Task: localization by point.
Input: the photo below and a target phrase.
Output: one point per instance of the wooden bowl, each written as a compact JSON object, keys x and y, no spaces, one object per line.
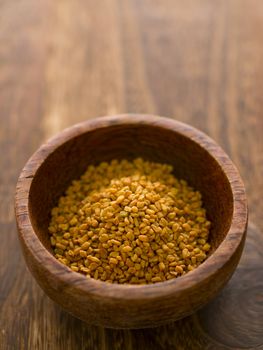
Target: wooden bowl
{"x":195,"y":157}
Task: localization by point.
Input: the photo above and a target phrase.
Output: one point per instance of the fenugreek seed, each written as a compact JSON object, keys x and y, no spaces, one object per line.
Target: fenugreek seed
{"x":64,"y":242}
{"x":200,"y":219}
{"x":134,"y":257}
{"x":63,"y":261}
{"x":93,"y":266}
{"x":170,"y":245}
{"x":120,"y":199}
{"x":140,"y":204}
{"x":137,"y":267}
{"x":85,"y":246}
{"x":74,"y":268}
{"x":148,"y":276}
{"x":156,"y":228}
{"x":66,"y":235}
{"x":206,"y":247}
{"x":171,"y":216}
{"x":179,"y":269}
{"x":193,"y":259}
{"x":104,"y":237}
{"x":138,"y":250}
{"x":83,"y":227}
{"x":200,"y":257}
{"x":186,"y":226}
{"x":94,"y":223}
{"x":185,"y":253}
{"x":113,"y":261}
{"x":60,"y":246}
{"x":143,"y":238}
{"x":163,"y":222}
{"x":161,"y":266}
{"x":127,"y":249}
{"x":130,"y":236}
{"x":96,"y":274}
{"x":156,"y":279}
{"x":175,"y":227}
{"x":93,"y":259}
{"x":181,"y":245}
{"x":83,"y":253}
{"x":134,"y":209}
{"x":114,"y":254}
{"x":114,"y":241}
{"x":170,"y":258}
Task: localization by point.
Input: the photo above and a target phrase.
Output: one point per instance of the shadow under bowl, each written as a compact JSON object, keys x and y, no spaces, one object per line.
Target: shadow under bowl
{"x":195,"y":158}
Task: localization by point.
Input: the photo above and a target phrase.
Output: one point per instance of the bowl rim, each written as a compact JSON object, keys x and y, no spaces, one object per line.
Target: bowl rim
{"x":97,"y":288}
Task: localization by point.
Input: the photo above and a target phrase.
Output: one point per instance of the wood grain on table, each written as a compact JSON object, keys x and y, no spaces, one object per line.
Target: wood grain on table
{"x":198,"y":61}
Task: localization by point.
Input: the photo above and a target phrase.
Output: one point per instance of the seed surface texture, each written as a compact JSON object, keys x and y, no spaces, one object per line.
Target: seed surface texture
{"x":130,"y":222}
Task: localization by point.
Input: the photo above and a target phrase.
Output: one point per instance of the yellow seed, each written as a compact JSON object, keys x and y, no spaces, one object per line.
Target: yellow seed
{"x":85,"y":246}
{"x":138,"y":250}
{"x":134,"y":257}
{"x":179,"y":269}
{"x":127,"y":249}
{"x":104,"y":237}
{"x":93,"y":266}
{"x":113,"y":261}
{"x":83,"y":227}
{"x":140,"y":204}
{"x":83,"y":253}
{"x":170,"y":245}
{"x":187,"y":227}
{"x":137,"y":266}
{"x":148,"y":276}
{"x":185,"y":253}
{"x":156,"y":279}
{"x":73,"y":221}
{"x":170,"y":258}
{"x":74,"y":268}
{"x":134,"y":209}
{"x":193,"y":259}
{"x":94,"y":223}
{"x":93,"y":259}
{"x":206,"y":247}
{"x":143,"y":238}
{"x":114,"y":241}
{"x":53,"y":241}
{"x":161,"y":266}
{"x":60,"y":246}
{"x":120,"y":199}
{"x":63,"y":261}
{"x":96,"y":274}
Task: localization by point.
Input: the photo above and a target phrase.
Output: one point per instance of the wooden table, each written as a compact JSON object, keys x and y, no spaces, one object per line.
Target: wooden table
{"x":62,"y":62}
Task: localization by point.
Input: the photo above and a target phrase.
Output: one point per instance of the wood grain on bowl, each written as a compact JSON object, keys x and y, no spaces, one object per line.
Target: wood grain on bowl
{"x":195,"y":157}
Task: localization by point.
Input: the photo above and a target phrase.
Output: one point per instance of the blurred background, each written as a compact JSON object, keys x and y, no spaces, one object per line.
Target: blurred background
{"x":65,"y":61}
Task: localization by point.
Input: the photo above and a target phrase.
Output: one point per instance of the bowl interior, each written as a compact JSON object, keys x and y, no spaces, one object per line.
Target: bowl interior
{"x":191,"y":162}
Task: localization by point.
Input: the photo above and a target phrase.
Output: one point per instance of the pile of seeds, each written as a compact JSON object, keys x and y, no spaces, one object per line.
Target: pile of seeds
{"x":130,"y":222}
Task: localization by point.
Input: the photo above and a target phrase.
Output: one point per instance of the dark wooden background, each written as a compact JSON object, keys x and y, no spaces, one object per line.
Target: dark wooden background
{"x":199,"y":61}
